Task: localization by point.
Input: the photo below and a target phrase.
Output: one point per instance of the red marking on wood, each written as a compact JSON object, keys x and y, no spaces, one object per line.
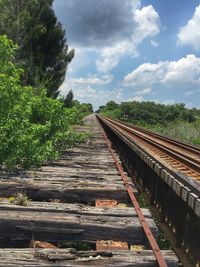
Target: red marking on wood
{"x":155,"y":248}
{"x":41,"y":244}
{"x":111,"y":245}
{"x":106,"y":203}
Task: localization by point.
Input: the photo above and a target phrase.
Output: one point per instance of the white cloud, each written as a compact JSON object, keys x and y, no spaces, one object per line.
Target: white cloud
{"x":190,"y":34}
{"x":80,"y":61}
{"x":146,"y":23}
{"x":72,"y":83}
{"x":108,"y":29}
{"x":139,"y":95}
{"x":168,"y":102}
{"x":93,"y":79}
{"x":85,"y":94}
{"x":188,"y":93}
{"x":184,"y":72}
{"x":138,"y":98}
{"x":144,"y":91}
{"x":146,"y":75}
{"x":181,"y":73}
{"x":154,"y":43}
{"x":110,"y":56}
{"x":97,"y":97}
{"x":85,"y":90}
{"x":189,"y":105}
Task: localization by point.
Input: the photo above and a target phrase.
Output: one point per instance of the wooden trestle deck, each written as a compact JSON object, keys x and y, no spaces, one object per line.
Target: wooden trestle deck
{"x":62,"y":209}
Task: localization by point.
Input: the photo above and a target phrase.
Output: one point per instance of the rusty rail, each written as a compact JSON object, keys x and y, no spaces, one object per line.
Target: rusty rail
{"x":155,"y":248}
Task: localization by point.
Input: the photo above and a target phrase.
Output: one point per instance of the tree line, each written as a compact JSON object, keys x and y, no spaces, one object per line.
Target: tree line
{"x":149,"y":113}
{"x":173,"y":120}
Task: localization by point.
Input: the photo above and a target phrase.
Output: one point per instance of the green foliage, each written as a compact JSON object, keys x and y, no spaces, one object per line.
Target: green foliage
{"x":84,"y":109}
{"x":182,"y":130}
{"x":43,"y":52}
{"x":172,"y":120}
{"x":149,"y":113}
{"x":21,"y":199}
{"x":79,"y":246}
{"x":163,"y":243}
{"x":142,"y":202}
{"x":33,"y":128}
{"x":68,"y":99}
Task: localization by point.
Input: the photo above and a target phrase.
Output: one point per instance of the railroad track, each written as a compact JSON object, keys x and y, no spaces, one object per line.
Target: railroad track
{"x":177,"y":155}
{"x":168,"y":171}
{"x":77,"y":199}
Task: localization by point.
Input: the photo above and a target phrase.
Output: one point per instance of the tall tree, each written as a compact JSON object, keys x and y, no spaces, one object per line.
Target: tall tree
{"x":69,"y":99}
{"x":43,"y":51}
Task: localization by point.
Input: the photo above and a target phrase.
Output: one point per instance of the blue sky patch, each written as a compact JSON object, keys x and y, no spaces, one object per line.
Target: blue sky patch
{"x":132,"y":50}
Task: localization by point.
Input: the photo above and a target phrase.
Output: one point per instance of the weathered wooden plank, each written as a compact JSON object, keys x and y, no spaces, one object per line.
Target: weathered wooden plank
{"x":71,"y":257}
{"x":68,"y":175}
{"x":74,"y":182}
{"x":97,"y":162}
{"x":67,"y":191}
{"x":25,"y":222}
{"x":78,"y":179}
{"x":76,"y":152}
{"x":82,"y":157}
{"x":75,"y":209}
{"x":64,"y":175}
{"x":77,"y":170}
{"x":71,"y":181}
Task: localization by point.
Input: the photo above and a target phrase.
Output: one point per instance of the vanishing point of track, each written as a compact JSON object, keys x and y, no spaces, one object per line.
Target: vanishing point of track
{"x":178,"y":156}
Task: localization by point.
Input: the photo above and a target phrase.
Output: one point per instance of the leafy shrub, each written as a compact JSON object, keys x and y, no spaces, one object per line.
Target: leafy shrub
{"x":33,"y":128}
{"x":149,"y":113}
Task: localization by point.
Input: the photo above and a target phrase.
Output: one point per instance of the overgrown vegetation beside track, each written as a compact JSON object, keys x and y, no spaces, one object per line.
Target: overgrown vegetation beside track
{"x":33,"y":128}
{"x":35,"y":122}
{"x":172,"y":120}
{"x":182,"y":130}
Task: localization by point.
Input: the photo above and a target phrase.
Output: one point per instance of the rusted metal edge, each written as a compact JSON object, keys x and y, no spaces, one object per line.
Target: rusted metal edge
{"x":155,"y":248}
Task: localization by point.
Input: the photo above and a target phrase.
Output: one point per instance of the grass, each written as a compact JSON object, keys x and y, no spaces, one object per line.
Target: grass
{"x":142,"y":202}
{"x":184,"y":131}
{"x":163,"y":243}
{"x":19,"y":199}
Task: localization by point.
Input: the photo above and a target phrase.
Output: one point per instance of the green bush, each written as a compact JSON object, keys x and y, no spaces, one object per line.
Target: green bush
{"x":33,"y":129}
{"x":172,"y":120}
{"x":149,"y":113}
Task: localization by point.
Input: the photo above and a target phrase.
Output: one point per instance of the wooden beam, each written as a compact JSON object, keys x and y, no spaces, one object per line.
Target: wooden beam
{"x":71,"y":223}
{"x":71,"y":257}
{"x":71,"y":190}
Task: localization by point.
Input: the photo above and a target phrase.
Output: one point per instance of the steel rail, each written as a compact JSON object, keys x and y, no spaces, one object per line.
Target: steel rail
{"x":190,"y":148}
{"x":194,"y":151}
{"x":155,"y":248}
{"x":186,"y":159}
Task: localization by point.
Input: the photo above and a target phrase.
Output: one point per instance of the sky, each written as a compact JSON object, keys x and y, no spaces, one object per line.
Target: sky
{"x":126,"y":50}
